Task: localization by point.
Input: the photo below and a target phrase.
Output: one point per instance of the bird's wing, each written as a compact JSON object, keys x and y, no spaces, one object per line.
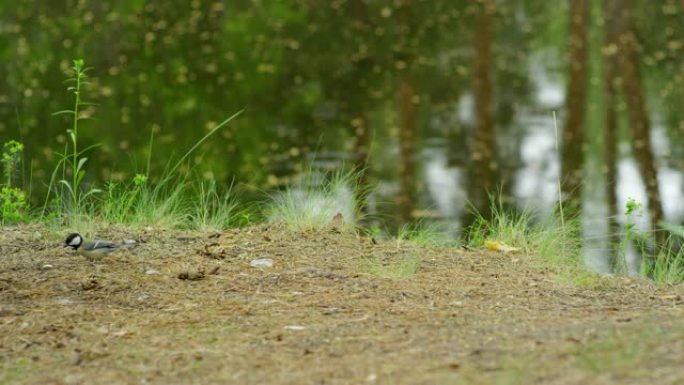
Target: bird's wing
{"x":104,"y":245}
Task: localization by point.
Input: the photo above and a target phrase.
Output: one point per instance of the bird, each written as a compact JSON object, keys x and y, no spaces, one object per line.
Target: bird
{"x":92,"y":249}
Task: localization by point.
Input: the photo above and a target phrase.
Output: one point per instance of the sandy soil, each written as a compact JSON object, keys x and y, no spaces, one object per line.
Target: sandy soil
{"x":188,"y":308}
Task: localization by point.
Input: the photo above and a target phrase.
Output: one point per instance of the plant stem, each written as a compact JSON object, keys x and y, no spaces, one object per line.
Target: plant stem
{"x":74,"y":136}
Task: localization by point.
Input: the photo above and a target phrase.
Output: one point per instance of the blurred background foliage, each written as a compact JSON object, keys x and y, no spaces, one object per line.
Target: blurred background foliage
{"x":387,"y":85}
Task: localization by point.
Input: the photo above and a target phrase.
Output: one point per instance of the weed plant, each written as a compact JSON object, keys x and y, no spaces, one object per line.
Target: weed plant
{"x":72,"y":160}
{"x":13,"y":203}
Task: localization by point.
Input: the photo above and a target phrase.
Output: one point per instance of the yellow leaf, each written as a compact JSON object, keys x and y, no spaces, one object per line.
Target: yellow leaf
{"x":499,"y":246}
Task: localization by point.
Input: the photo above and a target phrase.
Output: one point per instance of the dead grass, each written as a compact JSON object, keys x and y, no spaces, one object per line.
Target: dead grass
{"x":319,"y":315}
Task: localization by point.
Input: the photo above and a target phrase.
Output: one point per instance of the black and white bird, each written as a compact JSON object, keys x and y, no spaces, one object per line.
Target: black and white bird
{"x":92,"y":249}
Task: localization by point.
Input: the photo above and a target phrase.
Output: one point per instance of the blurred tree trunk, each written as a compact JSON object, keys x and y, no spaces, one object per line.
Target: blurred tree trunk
{"x":407,"y":135}
{"x":361,"y":134}
{"x":610,"y":67}
{"x":360,"y":148}
{"x":483,"y":163}
{"x":637,"y":115}
{"x":573,"y":130}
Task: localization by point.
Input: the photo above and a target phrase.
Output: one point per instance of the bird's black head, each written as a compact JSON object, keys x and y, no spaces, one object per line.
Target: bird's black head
{"x":73,"y":240}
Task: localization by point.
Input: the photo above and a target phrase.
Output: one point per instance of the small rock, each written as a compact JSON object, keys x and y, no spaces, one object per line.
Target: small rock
{"x":294,"y":327}
{"x":65,"y":301}
{"x":47,"y":266}
{"x":261,"y":262}
{"x":191,"y":275}
{"x":89,"y":284}
{"x":143,"y":297}
{"x":152,"y":272}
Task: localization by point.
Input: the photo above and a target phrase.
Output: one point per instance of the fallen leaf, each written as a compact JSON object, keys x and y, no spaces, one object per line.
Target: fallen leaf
{"x":499,"y":246}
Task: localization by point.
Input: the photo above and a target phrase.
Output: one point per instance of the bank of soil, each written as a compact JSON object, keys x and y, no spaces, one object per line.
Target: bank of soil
{"x":189,"y":308}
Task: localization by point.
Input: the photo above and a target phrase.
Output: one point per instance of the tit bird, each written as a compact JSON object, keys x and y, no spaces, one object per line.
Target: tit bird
{"x":91,"y":249}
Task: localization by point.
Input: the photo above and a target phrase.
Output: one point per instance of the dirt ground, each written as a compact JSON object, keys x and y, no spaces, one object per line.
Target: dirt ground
{"x":188,"y":308}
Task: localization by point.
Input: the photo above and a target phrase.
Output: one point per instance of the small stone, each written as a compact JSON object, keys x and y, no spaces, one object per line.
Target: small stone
{"x":47,"y":266}
{"x":89,"y":284}
{"x":261,"y":262}
{"x":294,"y":327}
{"x":191,"y":275}
{"x":152,"y":272}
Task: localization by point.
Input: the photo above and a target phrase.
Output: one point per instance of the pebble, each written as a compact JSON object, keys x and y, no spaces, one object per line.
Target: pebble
{"x":294,"y":327}
{"x":261,"y":262}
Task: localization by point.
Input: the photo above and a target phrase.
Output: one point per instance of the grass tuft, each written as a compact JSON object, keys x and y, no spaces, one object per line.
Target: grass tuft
{"x":548,"y":242}
{"x":668,"y":266}
{"x":213,"y":210}
{"x":316,"y":201}
{"x":425,"y":233}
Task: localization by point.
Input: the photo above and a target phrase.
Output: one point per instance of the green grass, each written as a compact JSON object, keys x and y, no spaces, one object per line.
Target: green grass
{"x":668,"y":266}
{"x":425,"y":233}
{"x":316,"y":201}
{"x":15,"y":371}
{"x":212,"y":209}
{"x":624,"y":351}
{"x":161,"y":204}
{"x":625,"y":355}
{"x":546,"y":242}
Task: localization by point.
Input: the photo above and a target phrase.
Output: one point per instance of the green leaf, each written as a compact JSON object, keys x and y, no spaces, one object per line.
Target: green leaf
{"x":68,"y":186}
{"x":63,"y":112}
{"x":91,"y":192}
{"x":78,"y":65}
{"x":79,"y":177}
{"x":81,"y":162}
{"x":674,"y":229}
